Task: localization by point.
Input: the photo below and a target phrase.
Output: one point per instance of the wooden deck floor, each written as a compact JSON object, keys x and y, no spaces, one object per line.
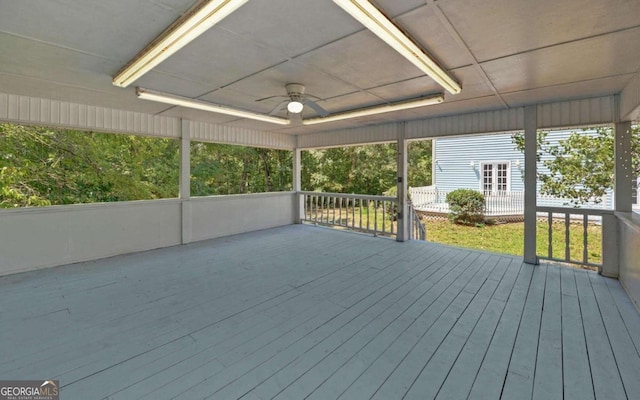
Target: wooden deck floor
{"x":302,"y":312}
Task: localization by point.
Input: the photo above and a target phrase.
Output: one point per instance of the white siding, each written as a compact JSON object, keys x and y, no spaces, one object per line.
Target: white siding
{"x":454,"y":155}
{"x":38,"y":111}
{"x":483,"y":122}
{"x":355,"y":136}
{"x":585,"y":112}
{"x":204,"y":132}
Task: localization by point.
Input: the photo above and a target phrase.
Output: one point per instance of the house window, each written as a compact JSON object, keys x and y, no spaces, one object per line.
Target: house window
{"x":495,"y":177}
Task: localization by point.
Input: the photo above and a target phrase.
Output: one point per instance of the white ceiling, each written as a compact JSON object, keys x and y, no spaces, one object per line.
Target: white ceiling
{"x":505,"y":53}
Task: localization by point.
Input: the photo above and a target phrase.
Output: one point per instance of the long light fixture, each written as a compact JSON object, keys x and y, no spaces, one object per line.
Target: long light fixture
{"x":160,"y":97}
{"x":374,"y":20}
{"x":195,"y":22}
{"x":363,"y":112}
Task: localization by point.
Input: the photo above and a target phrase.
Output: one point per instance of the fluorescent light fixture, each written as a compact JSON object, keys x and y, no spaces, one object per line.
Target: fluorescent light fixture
{"x":160,"y":97}
{"x":363,"y":112}
{"x":195,"y":22}
{"x":374,"y":20}
{"x":295,"y":107}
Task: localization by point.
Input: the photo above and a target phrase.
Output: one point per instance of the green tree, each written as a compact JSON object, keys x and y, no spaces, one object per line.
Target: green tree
{"x":420,"y":163}
{"x":582,"y":166}
{"x":222,"y":169}
{"x":45,"y":166}
{"x":369,"y":169}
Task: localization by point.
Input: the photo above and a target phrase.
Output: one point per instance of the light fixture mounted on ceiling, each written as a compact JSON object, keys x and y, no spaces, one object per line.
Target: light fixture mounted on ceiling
{"x":363,"y":112}
{"x":192,"y":24}
{"x":295,"y":107}
{"x":166,"y":98}
{"x":374,"y":20}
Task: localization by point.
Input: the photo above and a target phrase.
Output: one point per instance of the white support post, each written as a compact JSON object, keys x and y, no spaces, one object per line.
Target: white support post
{"x":622,"y":194}
{"x":404,"y":223}
{"x":185,"y":181}
{"x":298,"y":211}
{"x":530,"y":183}
{"x":623,"y":185}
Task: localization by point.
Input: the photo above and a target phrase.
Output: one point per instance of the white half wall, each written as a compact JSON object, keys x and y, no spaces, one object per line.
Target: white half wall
{"x":40,"y":237}
{"x":629,"y":258}
{"x":32,"y":238}
{"x":216,"y":216}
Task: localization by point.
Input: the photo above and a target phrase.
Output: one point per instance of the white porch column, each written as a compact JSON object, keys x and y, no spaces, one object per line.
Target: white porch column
{"x":530,"y":183}
{"x":298,"y":211}
{"x":404,"y":223}
{"x":622,"y":194}
{"x":185,"y":180}
{"x":623,"y":184}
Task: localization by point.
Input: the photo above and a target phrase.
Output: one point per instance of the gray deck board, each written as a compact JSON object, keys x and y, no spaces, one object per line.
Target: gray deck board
{"x":302,"y":312}
{"x":578,"y":383}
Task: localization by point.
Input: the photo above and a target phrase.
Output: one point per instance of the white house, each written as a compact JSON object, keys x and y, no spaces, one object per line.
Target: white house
{"x":492,"y":164}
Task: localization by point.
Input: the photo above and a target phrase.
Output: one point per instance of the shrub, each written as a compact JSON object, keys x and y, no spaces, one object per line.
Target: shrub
{"x":466,"y":207}
{"x":391,"y":208}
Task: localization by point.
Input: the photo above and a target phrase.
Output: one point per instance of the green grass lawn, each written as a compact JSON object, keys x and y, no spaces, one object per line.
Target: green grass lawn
{"x":509,"y":238}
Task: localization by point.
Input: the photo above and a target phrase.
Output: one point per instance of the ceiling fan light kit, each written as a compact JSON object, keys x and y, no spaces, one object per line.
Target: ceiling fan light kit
{"x":363,"y":112}
{"x":195,"y":22}
{"x":374,"y":20}
{"x":295,"y":107}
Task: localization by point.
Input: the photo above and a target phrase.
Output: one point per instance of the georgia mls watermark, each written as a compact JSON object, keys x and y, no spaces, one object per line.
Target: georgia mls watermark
{"x":29,"y":390}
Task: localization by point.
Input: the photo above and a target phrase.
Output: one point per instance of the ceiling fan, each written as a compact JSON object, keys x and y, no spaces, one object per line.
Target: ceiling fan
{"x":295,"y":100}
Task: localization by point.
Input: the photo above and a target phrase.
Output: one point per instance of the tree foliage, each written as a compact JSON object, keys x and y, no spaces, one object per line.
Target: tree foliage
{"x":369,"y":169}
{"x":45,"y":166}
{"x":581,"y":167}
{"x":220,"y":169}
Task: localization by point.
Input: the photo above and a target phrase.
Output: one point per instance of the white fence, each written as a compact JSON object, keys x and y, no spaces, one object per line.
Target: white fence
{"x":434,"y":200}
{"x":500,"y":203}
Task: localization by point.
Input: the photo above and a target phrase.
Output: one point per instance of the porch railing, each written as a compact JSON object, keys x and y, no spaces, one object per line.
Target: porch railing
{"x":363,"y":213}
{"x":576,"y":235}
{"x":418,"y":230}
{"x":377,"y":215}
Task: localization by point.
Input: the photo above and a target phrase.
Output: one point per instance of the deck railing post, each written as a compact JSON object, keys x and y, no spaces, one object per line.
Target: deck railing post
{"x":404,"y":222}
{"x":530,"y":183}
{"x":298,"y":211}
{"x":185,"y":181}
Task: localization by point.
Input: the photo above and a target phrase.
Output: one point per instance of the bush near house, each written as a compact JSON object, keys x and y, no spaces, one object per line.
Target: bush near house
{"x":467,"y":207}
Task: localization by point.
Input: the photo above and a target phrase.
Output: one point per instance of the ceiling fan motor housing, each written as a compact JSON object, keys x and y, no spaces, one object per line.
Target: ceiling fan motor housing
{"x":295,"y":90}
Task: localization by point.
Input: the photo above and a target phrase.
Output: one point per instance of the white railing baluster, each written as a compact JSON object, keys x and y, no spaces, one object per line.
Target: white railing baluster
{"x":585,"y":239}
{"x":590,"y":218}
{"x":567,"y":237}
{"x":550,"y":221}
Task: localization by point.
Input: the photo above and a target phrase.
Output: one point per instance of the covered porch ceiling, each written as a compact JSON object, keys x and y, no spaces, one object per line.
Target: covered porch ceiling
{"x":504,"y":53}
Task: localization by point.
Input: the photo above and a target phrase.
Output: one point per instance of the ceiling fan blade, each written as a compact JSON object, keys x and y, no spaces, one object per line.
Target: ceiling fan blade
{"x":321,"y":111}
{"x":279,"y":107}
{"x":272,"y":97}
